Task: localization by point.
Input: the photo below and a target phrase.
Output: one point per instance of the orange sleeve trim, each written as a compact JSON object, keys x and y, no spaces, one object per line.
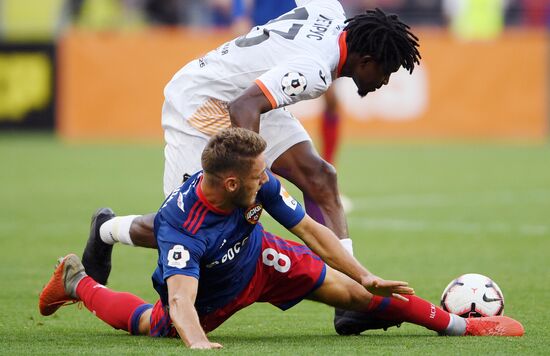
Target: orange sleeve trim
{"x":267,"y":93}
{"x":342,"y":44}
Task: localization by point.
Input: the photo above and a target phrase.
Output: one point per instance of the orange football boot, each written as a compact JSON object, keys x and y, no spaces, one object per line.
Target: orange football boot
{"x":61,"y":289}
{"x":493,"y":326}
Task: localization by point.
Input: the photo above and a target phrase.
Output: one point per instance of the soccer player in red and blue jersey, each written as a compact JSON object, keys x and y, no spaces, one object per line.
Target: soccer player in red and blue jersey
{"x":215,"y":259}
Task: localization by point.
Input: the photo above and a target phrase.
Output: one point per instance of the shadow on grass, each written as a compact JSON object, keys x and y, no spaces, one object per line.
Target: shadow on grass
{"x":313,"y":338}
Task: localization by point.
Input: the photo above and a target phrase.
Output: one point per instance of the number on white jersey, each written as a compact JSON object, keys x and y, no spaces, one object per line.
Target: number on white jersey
{"x":299,"y":13}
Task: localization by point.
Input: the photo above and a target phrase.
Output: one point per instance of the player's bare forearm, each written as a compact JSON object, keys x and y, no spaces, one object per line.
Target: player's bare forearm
{"x":324,"y":242}
{"x":246,"y":109}
{"x":182,"y":291}
{"x":186,"y":321}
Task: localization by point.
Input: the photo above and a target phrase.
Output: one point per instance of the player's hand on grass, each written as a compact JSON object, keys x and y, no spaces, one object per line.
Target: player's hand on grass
{"x":206,"y":345}
{"x":386,"y":288}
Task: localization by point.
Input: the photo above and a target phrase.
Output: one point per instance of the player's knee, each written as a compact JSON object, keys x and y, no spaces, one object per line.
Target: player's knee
{"x":329,"y":173}
{"x":321,"y":178}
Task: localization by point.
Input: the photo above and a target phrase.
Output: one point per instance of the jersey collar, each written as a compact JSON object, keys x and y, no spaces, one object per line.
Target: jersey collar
{"x":343,"y":46}
{"x":203,"y":200}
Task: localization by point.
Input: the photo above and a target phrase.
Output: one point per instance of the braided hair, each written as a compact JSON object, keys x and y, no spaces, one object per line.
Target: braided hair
{"x":384,"y":37}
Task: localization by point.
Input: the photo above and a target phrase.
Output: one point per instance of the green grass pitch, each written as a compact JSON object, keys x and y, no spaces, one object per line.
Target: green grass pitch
{"x":423,"y":212}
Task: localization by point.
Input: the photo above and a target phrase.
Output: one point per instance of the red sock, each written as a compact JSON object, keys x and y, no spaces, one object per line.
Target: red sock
{"x":114,"y":308}
{"x":416,"y":310}
{"x":329,"y":131}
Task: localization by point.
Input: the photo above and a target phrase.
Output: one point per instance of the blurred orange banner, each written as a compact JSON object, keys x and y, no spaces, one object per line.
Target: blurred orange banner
{"x":111,"y":86}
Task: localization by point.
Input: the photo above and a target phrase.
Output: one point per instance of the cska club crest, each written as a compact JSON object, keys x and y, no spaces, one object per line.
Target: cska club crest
{"x":252,"y":214}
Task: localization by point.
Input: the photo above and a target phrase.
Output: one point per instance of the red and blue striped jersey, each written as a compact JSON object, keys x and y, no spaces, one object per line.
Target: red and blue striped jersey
{"x":219,"y":248}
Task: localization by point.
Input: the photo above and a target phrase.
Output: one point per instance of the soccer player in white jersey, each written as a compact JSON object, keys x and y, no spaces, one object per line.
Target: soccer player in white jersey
{"x":247,"y":82}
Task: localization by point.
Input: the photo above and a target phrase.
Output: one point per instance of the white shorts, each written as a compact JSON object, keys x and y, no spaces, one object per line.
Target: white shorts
{"x":182,"y":153}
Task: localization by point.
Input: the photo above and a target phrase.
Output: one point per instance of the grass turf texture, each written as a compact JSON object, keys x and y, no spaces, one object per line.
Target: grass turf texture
{"x":424,"y":213}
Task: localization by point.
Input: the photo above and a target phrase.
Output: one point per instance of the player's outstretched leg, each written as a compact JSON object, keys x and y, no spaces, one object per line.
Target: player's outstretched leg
{"x":70,"y":283}
{"x":97,"y":254}
{"x":372,"y":310}
{"x":422,"y":312}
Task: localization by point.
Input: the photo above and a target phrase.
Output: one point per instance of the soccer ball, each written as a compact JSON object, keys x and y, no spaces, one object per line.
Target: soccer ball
{"x":473,"y":295}
{"x":293,"y":83}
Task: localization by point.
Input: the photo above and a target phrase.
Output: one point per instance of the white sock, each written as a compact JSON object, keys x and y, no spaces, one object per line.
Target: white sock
{"x":347,"y":244}
{"x":117,"y":230}
{"x":456,"y":327}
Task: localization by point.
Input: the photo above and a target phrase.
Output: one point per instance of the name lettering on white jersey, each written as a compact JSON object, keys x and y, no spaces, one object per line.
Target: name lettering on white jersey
{"x":321,"y":25}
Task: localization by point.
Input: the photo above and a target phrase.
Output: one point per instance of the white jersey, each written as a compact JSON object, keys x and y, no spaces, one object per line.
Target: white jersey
{"x":292,"y":58}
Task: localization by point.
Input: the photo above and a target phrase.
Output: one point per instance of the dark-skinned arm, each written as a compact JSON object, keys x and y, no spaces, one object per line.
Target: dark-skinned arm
{"x":182,"y":291}
{"x":323,"y":242}
{"x":246,"y":109}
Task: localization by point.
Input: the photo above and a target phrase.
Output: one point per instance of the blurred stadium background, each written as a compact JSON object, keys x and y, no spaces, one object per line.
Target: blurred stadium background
{"x":96,"y":69}
{"x":448,"y":169}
